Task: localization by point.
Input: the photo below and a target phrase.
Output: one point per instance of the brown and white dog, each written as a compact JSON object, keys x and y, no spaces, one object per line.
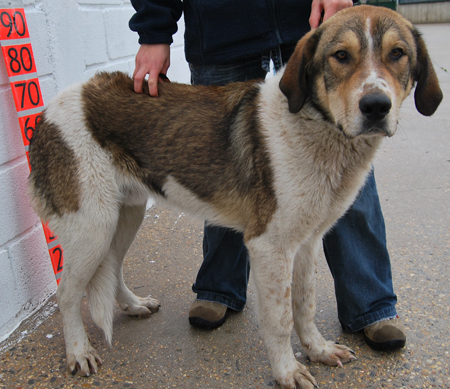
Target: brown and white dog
{"x":280,"y":161}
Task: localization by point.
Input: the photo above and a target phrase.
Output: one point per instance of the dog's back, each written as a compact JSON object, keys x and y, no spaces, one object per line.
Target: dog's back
{"x":188,"y":134}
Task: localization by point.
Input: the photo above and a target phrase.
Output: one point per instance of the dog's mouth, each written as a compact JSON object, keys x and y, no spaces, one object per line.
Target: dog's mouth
{"x":376,"y":129}
{"x":374,"y":117}
{"x":367,"y":129}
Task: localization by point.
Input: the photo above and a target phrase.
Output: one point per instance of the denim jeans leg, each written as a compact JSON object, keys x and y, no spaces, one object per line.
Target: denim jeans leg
{"x":357,"y":255}
{"x":224,"y":273}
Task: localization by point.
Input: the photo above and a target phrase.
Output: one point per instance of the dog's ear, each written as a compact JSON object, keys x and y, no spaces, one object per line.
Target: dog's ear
{"x":428,"y":94}
{"x":293,"y":83}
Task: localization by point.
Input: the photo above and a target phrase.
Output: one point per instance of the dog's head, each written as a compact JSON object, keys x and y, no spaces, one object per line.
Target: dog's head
{"x":358,"y":67}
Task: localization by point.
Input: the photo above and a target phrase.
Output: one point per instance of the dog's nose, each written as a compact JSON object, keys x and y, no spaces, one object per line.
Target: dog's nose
{"x":375,"y":106}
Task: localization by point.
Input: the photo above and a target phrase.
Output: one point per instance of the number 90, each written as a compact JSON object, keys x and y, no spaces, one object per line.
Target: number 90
{"x":10,"y":22}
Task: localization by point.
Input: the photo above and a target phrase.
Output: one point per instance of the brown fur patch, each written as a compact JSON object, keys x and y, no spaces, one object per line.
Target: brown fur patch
{"x":204,"y":137}
{"x":53,"y":171}
{"x":428,"y":94}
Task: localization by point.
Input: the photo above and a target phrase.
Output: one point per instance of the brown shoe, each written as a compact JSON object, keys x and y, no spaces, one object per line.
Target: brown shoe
{"x":386,"y":335}
{"x":207,"y":315}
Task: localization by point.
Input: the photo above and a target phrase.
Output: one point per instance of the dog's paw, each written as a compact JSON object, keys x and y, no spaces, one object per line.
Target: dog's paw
{"x":84,"y":361}
{"x":141,"y":307}
{"x":331,"y":354}
{"x":298,"y":378}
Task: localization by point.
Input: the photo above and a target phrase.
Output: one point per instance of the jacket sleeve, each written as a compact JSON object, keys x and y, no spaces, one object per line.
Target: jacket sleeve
{"x":156,"y":20}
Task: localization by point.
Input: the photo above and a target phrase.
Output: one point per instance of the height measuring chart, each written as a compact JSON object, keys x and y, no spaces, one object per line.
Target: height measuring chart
{"x":21,"y":69}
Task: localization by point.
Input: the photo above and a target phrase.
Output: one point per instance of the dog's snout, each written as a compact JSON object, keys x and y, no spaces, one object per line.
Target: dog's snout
{"x":375,"y":106}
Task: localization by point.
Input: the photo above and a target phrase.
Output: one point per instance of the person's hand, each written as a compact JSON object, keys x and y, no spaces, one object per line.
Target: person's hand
{"x":330,"y":7}
{"x":151,"y":60}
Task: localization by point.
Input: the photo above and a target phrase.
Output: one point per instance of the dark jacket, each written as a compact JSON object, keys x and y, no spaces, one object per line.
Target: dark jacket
{"x":222,"y":31}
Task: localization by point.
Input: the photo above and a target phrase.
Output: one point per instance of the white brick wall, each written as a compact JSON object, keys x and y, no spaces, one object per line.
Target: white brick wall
{"x":71,"y":40}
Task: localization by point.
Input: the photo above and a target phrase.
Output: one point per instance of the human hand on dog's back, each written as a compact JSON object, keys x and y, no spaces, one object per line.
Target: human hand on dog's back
{"x":152,"y":60}
{"x":330,"y":7}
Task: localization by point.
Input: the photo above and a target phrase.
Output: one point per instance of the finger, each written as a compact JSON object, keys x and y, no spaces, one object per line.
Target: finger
{"x":316,"y":14}
{"x":137,"y":86}
{"x":153,"y":82}
{"x":330,"y":10}
{"x":334,"y":7}
{"x":138,"y":77}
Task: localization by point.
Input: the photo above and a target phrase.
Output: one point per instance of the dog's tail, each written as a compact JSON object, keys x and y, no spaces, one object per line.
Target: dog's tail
{"x":101,"y":292}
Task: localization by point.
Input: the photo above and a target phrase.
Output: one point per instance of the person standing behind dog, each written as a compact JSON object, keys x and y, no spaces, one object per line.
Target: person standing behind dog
{"x":233,"y":40}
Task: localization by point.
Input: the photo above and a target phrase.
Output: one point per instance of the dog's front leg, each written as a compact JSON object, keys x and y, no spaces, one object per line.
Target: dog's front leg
{"x":304,"y":307}
{"x":272,"y":272}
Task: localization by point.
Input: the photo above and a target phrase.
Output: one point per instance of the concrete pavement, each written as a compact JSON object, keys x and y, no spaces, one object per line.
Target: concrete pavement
{"x":413,"y":175}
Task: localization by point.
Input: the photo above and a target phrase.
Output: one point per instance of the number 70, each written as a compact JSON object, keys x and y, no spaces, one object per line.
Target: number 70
{"x":27,"y":94}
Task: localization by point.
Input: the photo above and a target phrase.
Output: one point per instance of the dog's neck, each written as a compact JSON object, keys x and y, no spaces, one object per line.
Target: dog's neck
{"x":333,"y":154}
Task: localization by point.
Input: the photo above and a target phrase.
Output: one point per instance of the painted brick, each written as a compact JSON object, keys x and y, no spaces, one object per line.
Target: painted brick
{"x":3,"y":74}
{"x":65,"y":25}
{"x":16,"y":215}
{"x":121,"y":41}
{"x":11,"y":145}
{"x":10,"y":302}
{"x":131,"y":66}
{"x":13,"y":3}
{"x":101,"y":2}
{"x":48,"y":88}
{"x":94,"y":38}
{"x":122,"y":66}
{"x":32,"y":268}
{"x":40,"y":40}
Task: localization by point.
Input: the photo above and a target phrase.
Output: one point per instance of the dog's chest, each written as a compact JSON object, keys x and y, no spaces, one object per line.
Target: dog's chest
{"x":317,"y":175}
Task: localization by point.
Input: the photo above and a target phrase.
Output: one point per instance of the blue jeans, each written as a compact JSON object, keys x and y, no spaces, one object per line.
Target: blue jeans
{"x":355,"y":248}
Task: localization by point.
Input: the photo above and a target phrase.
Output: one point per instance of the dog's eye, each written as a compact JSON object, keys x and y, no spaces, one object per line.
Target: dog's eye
{"x":341,"y":56}
{"x":397,"y":53}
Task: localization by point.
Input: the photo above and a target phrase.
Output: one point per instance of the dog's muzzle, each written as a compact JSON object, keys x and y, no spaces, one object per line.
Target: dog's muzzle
{"x":374,"y":108}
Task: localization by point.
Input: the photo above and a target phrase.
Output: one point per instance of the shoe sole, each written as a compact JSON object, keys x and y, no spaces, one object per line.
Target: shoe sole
{"x":205,"y":324}
{"x":390,"y":345}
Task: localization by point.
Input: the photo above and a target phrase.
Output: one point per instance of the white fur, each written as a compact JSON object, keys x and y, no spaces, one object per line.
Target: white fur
{"x":179,"y":197}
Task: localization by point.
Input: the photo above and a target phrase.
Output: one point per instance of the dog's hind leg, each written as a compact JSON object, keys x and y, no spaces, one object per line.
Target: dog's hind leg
{"x":304,"y":308}
{"x":130,"y":220}
{"x":272,"y":272}
{"x":86,"y":241}
{"x":107,"y":284}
